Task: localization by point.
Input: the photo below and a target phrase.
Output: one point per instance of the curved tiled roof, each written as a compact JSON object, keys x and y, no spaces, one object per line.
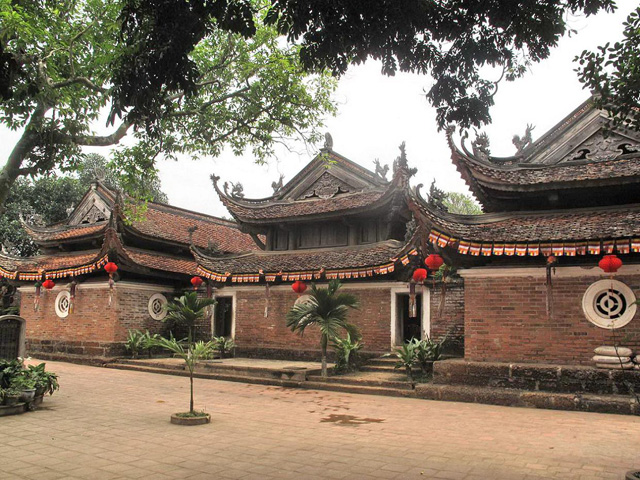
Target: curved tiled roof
{"x":64,"y":232}
{"x":159,"y":261}
{"x":541,"y":226}
{"x":173,"y":224}
{"x":300,"y":208}
{"x":55,"y":266}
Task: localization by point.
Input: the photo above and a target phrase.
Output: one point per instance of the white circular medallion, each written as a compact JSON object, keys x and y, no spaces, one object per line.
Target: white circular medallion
{"x":609,"y":304}
{"x":157,"y":306}
{"x":63,"y":301}
{"x":302,"y":299}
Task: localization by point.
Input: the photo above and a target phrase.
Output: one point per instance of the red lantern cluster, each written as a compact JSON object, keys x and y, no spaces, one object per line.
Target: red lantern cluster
{"x":610,"y":263}
{"x":419,"y":275}
{"x":48,"y":284}
{"x":299,"y":287}
{"x":196,"y":282}
{"x":434,"y":262}
{"x":111,"y":268}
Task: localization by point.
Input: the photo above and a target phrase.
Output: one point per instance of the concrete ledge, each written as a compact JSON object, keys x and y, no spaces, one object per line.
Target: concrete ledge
{"x":536,"y":377}
{"x":619,"y":404}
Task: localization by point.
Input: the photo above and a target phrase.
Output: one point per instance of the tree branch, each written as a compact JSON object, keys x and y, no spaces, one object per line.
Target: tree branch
{"x":79,"y":80}
{"x":101,"y":141}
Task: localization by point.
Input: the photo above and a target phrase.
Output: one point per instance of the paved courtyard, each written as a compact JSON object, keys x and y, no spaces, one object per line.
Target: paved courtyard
{"x":112,"y":424}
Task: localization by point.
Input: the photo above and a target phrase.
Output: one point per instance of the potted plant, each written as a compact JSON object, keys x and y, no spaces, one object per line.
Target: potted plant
{"x":194,"y":352}
{"x":45,"y":382}
{"x":26,"y":385}
{"x":10,"y":396}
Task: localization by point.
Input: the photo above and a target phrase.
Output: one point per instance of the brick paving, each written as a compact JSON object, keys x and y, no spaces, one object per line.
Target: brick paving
{"x":114,"y":424}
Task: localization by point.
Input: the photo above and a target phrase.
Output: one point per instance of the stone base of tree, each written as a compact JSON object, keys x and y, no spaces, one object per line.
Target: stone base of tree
{"x":198,"y":419}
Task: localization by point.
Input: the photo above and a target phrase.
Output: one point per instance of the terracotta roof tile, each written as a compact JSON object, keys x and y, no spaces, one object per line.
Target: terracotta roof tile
{"x":574,"y":225}
{"x":159,"y":261}
{"x":290,"y":209}
{"x":170,"y":223}
{"x":64,"y":232}
{"x":305,"y":260}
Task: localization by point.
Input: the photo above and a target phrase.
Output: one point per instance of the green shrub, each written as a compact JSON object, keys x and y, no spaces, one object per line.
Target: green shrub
{"x":346,"y":353}
{"x":223,"y":345}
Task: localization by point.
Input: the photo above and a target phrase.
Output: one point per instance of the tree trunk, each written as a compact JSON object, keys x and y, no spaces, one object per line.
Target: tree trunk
{"x":191,"y":399}
{"x":21,"y":150}
{"x":324,"y":356}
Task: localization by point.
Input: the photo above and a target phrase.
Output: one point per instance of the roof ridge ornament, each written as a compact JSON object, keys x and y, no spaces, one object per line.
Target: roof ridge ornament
{"x":277,"y":186}
{"x":525,"y":141}
{"x":328,"y":142}
{"x":380,"y":170}
{"x":237,"y":190}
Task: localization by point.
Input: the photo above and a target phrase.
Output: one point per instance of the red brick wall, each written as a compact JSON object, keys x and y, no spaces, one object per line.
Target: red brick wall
{"x":94,"y":327}
{"x":254,"y":331}
{"x":448,"y":318}
{"x":506,"y":320}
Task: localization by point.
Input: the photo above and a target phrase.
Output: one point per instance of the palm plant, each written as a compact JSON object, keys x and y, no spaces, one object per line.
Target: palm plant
{"x":193,"y":352}
{"x":326,"y":308}
{"x":187,"y":310}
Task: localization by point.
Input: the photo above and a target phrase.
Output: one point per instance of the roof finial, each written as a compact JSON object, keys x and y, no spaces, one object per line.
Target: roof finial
{"x":277,"y":186}
{"x":328,"y":141}
{"x":525,"y":141}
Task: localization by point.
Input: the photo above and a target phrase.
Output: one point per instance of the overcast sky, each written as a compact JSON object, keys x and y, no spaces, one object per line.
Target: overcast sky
{"x":377,"y":113}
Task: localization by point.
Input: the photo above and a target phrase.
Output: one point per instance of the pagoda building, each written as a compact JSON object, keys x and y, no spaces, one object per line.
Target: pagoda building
{"x":84,"y":312}
{"x":533,"y":291}
{"x":333,"y":220}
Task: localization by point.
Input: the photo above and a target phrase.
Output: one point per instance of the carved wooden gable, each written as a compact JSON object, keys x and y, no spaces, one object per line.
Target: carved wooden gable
{"x":600,"y":147}
{"x":321,"y":180}
{"x":91,"y":209}
{"x":327,"y":186}
{"x":583,"y":138}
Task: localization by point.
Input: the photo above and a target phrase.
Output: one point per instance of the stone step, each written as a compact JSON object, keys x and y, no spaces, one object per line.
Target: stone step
{"x":621,"y":404}
{"x":213,"y":376}
{"x":368,"y":390}
{"x":386,"y":369}
{"x":365,"y":382}
{"x":217,"y":367}
{"x":383,"y":361}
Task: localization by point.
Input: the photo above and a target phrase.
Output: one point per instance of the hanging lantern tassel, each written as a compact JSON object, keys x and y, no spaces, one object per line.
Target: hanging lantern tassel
{"x":551,"y":267}
{"x":72,"y":295}
{"x":36,"y":298}
{"x":412,"y":300}
{"x":111,"y":268}
{"x":266,"y":300}
{"x":443,"y":292}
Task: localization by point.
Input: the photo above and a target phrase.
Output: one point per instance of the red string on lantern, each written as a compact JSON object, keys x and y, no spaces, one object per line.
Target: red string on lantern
{"x":434,"y":262}
{"x":610,"y":263}
{"x":48,"y":284}
{"x":111,"y":268}
{"x":419,"y":275}
{"x":196,"y":282}
{"x":299,"y":287}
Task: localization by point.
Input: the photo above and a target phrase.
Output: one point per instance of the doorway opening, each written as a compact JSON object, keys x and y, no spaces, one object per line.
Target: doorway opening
{"x":407,"y":327}
{"x":223,"y":322}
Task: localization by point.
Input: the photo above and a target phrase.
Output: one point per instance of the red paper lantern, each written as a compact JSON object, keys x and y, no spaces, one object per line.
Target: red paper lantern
{"x":196,"y":282}
{"x":48,"y":284}
{"x":610,"y":263}
{"x":434,"y":262}
{"x":551,"y":259}
{"x":299,"y":287}
{"x":419,"y":275}
{"x":111,"y":268}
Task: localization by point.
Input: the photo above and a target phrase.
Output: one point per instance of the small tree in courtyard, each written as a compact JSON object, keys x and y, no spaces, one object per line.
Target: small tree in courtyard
{"x":187,"y":310}
{"x":327,"y":308}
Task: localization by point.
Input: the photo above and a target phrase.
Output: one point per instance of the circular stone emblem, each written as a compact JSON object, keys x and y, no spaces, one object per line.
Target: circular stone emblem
{"x":157,"y":306}
{"x":63,"y":301}
{"x":609,"y":304}
{"x":302,"y":299}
